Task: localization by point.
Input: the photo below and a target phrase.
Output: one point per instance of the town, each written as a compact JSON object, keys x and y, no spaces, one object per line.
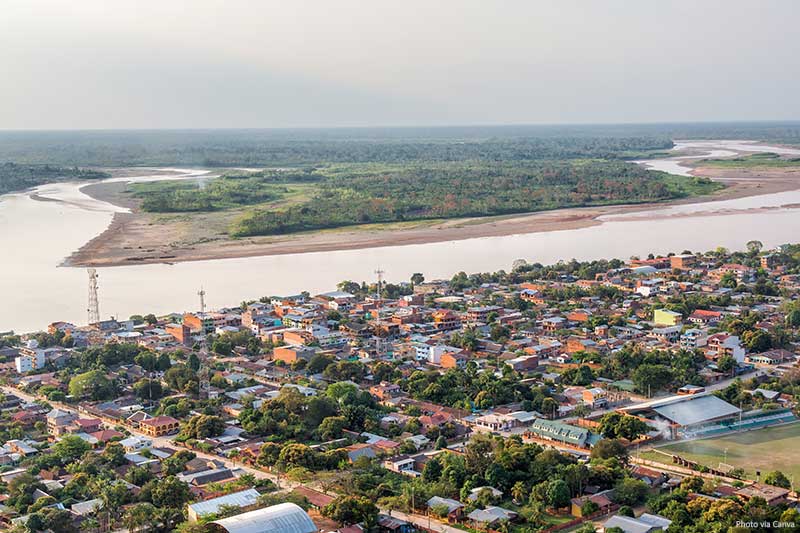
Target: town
{"x":610,"y":395}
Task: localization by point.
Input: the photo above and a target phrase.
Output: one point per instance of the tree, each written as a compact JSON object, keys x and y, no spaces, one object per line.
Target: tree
{"x":170,"y":492}
{"x":432,"y":470}
{"x":754,"y":247}
{"x":417,"y":278}
{"x":70,"y":448}
{"x":589,"y":507}
{"x":139,"y":516}
{"x":331,"y":427}
{"x":616,"y":425}
{"x":778,"y":479}
{"x":294,"y":455}
{"x":349,"y":510}
{"x":652,"y":378}
{"x":757,"y":340}
{"x":93,"y":385}
{"x":558,"y":494}
{"x":193,"y":362}
{"x":630,"y":491}
{"x":726,"y":364}
{"x":148,"y":389}
{"x":518,"y":492}
{"x":608,"y":448}
{"x":203,"y":426}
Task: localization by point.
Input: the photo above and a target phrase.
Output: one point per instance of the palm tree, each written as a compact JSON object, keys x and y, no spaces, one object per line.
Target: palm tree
{"x":139,"y":516}
{"x":518,"y":492}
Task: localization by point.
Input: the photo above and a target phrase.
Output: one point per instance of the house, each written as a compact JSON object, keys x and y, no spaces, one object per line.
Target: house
{"x":776,"y":356}
{"x":354,"y":451}
{"x":385,"y":391}
{"x":134,"y":443}
{"x":646,"y":523}
{"x":773,"y":495}
{"x":445,"y":319}
{"x":665,"y":317}
{"x":601,"y":499}
{"x":290,"y":354}
{"x":317,"y":499}
{"x":704,"y":318}
{"x":58,"y":422}
{"x":389,"y":524}
{"x":682,"y":262}
{"x":419,"y":441}
{"x":451,"y":508}
{"x":485,"y":518}
{"x":723,"y":344}
{"x":402,"y":464}
{"x":454,"y":360}
{"x":244,"y":498}
{"x":159,"y":425}
{"x":596,"y":398}
{"x":477,"y":491}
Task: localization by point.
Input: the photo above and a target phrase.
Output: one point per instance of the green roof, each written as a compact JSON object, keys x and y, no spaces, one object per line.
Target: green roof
{"x":560,"y":432}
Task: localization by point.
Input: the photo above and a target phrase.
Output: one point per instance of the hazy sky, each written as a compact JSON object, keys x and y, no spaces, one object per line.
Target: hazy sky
{"x":260,"y":63}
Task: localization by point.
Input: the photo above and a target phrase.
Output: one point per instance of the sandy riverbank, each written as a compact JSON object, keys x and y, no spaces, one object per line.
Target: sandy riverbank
{"x":141,"y":238}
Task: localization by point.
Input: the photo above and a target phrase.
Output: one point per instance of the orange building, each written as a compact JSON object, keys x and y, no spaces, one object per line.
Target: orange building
{"x":290,"y":354}
{"x":159,"y":425}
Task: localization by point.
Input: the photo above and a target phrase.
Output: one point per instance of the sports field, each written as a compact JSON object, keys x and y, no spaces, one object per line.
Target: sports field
{"x":768,"y":449}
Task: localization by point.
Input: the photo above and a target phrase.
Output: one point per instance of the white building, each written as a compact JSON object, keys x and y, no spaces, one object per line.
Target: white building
{"x":31,"y":358}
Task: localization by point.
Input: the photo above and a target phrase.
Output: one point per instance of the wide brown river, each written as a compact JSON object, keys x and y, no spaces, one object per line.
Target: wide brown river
{"x":37,"y":235}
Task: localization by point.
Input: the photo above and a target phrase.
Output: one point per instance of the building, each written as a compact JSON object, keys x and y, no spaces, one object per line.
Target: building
{"x":703,"y":317}
{"x":244,"y":498}
{"x":199,"y":323}
{"x":58,"y":422}
{"x":29,"y":359}
{"x":454,"y":508}
{"x":646,"y":523}
{"x":560,"y":432}
{"x":181,"y":332}
{"x":445,"y":319}
{"x":665,"y":317}
{"x":685,"y":414}
{"x":682,"y":262}
{"x":722,"y":344}
{"x":290,"y":354}
{"x":159,"y":425}
{"x":282,"y":518}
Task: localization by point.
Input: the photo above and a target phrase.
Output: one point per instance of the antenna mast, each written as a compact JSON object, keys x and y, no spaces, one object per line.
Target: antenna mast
{"x":93,"y":310}
{"x":379,"y":341}
{"x":203,"y":371}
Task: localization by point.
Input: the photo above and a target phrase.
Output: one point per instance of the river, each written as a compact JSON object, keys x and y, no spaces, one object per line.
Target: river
{"x":37,"y":235}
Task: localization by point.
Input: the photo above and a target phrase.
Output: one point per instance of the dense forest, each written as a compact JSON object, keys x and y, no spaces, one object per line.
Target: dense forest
{"x":15,"y":177}
{"x":287,"y":147}
{"x":367,"y":193}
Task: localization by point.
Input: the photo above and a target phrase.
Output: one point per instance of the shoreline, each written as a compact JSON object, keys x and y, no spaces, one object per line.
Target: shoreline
{"x":134,"y":239}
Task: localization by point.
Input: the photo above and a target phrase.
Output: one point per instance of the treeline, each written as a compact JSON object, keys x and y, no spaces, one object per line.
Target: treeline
{"x":204,"y":195}
{"x":14,"y":177}
{"x":261,"y":148}
{"x":464,"y":189}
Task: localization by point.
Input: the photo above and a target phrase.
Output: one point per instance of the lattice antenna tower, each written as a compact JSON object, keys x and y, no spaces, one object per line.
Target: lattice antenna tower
{"x":379,"y":342}
{"x":93,"y":309}
{"x":203,"y":373}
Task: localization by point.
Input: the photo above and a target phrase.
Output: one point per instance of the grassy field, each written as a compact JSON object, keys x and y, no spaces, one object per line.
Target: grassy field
{"x":764,"y":450}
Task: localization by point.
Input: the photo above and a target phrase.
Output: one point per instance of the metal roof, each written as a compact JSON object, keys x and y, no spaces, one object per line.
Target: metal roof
{"x":282,"y":518}
{"x":696,"y":410}
{"x":239,"y":499}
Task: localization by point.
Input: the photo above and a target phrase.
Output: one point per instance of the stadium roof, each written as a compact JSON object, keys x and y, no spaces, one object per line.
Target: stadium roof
{"x":696,"y":410}
{"x":282,"y":518}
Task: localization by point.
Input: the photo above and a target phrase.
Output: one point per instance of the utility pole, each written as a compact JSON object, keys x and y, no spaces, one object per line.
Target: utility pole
{"x":93,"y":309}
